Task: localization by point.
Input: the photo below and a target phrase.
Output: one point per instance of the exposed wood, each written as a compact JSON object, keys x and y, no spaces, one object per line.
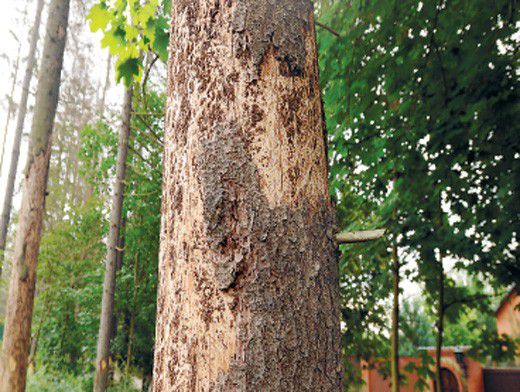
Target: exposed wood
{"x":16,"y":340}
{"x":352,"y":237}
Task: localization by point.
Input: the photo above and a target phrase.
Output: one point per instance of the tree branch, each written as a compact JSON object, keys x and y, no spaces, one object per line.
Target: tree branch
{"x":330,"y":30}
{"x":352,"y":237}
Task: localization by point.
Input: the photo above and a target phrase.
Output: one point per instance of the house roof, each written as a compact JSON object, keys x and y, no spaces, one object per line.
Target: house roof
{"x":507,"y":297}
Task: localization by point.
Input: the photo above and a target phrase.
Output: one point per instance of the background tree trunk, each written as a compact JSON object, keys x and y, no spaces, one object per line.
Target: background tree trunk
{"x":248,"y":295}
{"x":107,"y":305}
{"x":10,"y":106}
{"x":15,"y":153}
{"x":440,"y":329}
{"x":395,"y":319}
{"x":15,"y":347}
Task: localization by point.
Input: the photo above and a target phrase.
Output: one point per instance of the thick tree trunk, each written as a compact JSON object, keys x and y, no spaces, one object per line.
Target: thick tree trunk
{"x":15,"y":347}
{"x":395,"y":320}
{"x":22,"y":110}
{"x":107,"y":305}
{"x":440,"y":329}
{"x":248,"y":295}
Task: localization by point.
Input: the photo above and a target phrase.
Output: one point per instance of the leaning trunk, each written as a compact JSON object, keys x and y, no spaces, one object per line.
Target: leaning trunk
{"x":248,"y":295}
{"x":107,"y":305}
{"x":15,"y":347}
{"x":15,"y":153}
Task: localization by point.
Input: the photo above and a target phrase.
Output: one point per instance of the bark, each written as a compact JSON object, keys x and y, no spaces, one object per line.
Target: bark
{"x":107,"y":305}
{"x":440,"y":329}
{"x":395,"y":320}
{"x":15,"y":347}
{"x":22,"y":110}
{"x":248,"y":295}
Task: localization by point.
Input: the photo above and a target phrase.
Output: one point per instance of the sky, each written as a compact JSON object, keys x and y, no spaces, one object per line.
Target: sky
{"x":13,"y":23}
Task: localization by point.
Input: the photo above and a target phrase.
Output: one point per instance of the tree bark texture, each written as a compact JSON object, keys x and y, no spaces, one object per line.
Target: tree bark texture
{"x":16,"y":342}
{"x":248,"y":295}
{"x":107,"y":305}
{"x":15,"y":153}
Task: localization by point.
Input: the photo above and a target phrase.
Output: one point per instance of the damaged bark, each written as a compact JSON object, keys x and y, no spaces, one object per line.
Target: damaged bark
{"x":248,"y":295}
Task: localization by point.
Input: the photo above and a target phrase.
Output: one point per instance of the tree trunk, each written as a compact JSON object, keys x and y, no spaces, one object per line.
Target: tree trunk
{"x":10,"y":107}
{"x":440,"y":329}
{"x":107,"y":305}
{"x":133,"y":313}
{"x":15,"y":347}
{"x":106,"y":85}
{"x":395,"y":320}
{"x":248,"y":295}
{"x":22,"y":110}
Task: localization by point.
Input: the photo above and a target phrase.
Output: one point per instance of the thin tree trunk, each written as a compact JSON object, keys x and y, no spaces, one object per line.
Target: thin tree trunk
{"x":10,"y":106}
{"x":22,"y":110}
{"x":15,"y":347}
{"x":102,"y":101}
{"x":440,"y":328}
{"x":107,"y":305}
{"x":395,"y":320}
{"x":133,"y":313}
{"x":248,"y":295}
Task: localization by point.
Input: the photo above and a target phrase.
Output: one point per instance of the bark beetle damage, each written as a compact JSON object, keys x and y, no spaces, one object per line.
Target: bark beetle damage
{"x":272,"y":261}
{"x":280,"y":24}
{"x":248,"y":296}
{"x":225,"y":175}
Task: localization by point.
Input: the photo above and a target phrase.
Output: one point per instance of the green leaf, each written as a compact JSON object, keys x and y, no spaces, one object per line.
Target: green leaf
{"x":99,"y":17}
{"x":127,"y":69}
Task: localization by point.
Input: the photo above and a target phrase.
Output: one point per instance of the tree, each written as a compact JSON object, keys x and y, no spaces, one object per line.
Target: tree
{"x":248,"y":294}
{"x":107,"y":305}
{"x":15,"y":345}
{"x":426,"y":89}
{"x":15,"y":153}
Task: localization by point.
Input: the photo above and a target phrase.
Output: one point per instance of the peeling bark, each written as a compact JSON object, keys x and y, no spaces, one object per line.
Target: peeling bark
{"x":248,"y":295}
{"x":16,"y":341}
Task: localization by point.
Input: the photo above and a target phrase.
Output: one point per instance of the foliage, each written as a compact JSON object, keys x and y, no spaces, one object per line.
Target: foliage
{"x":72,"y":254}
{"x":69,"y":291}
{"x":131,"y":27}
{"x":420,"y":101}
{"x":44,"y":380}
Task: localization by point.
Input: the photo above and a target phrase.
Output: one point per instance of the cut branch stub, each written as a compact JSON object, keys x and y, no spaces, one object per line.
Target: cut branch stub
{"x":352,"y":237}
